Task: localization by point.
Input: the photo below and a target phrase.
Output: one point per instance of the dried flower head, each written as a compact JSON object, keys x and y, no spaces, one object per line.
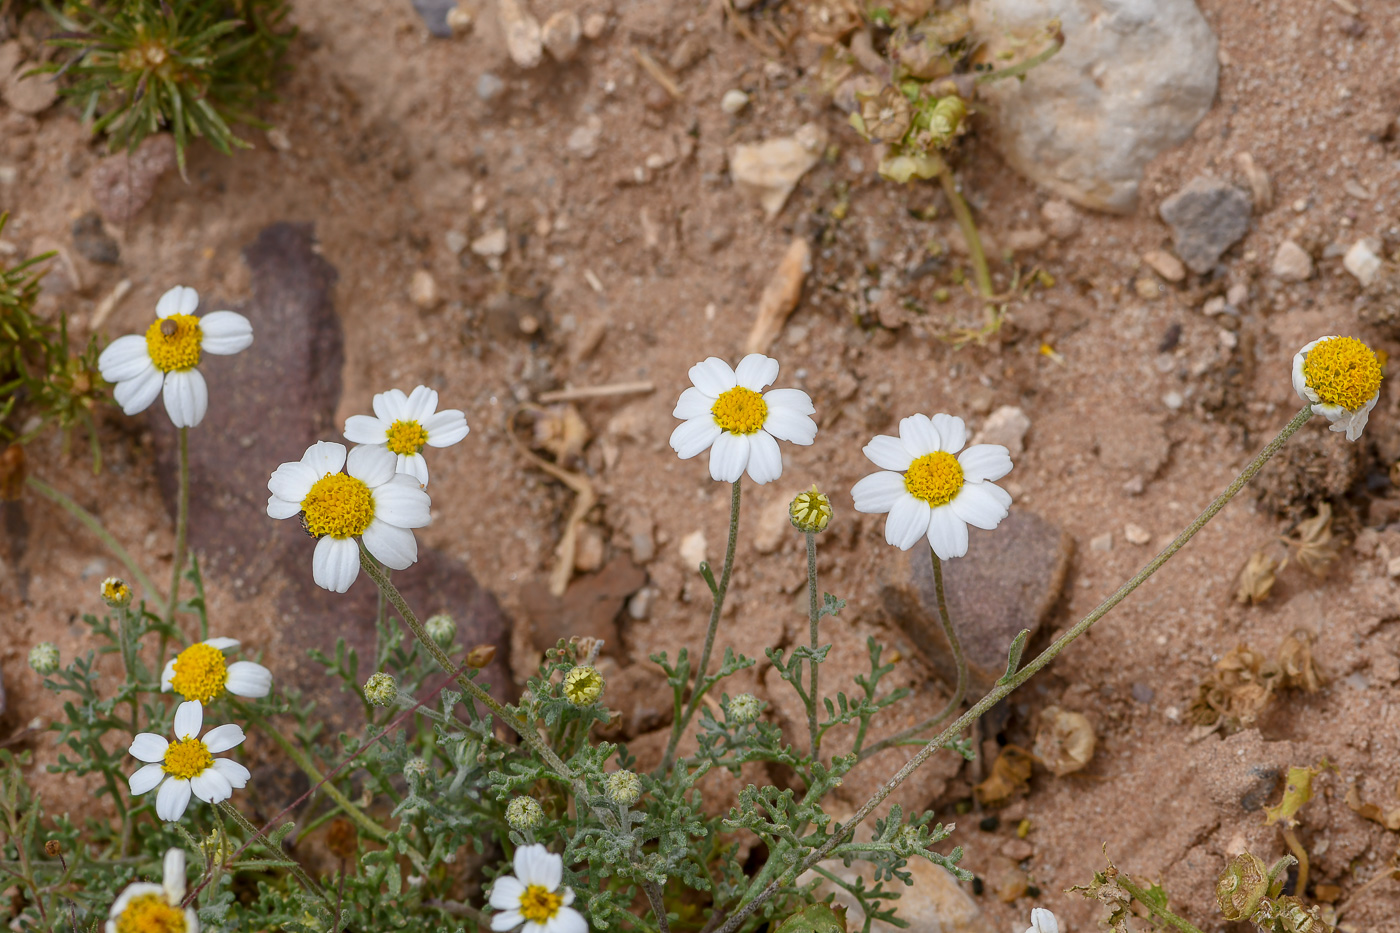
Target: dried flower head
{"x":1341,"y":378}
{"x":623,"y":787}
{"x":115,"y":593}
{"x":887,"y":115}
{"x":583,"y":685}
{"x":810,"y":511}
{"x":381,"y":689}
{"x":442,"y":628}
{"x":53,"y":848}
{"x":43,"y":657}
{"x":1242,"y":885}
{"x":480,"y":656}
{"x":524,"y":813}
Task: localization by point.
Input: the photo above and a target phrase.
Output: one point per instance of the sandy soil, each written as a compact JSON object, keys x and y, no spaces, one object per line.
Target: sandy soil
{"x":392,"y":148}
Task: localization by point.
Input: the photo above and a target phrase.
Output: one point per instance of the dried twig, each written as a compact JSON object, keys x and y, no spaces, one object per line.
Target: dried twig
{"x":586,"y":392}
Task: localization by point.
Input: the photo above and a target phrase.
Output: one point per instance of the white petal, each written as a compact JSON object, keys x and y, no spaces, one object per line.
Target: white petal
{"x":362,"y":429}
{"x":508,"y":920}
{"x":281,"y":508}
{"x":543,"y":868}
{"x":125,"y":358}
{"x":391,"y":545}
{"x":977,"y":505}
{"x":222,"y":643}
{"x":246,"y":679}
{"x":756,"y":372}
{"x":147,"y":746}
{"x":787,"y":424}
{"x":446,"y":428}
{"x":878,"y":492}
{"x":568,"y":920}
{"x":172,"y":799}
{"x":952,"y":431}
{"x":391,"y":406}
{"x":413,"y":465}
{"x":505,"y":893}
{"x":324,"y":457}
{"x":292,"y":482}
{"x":422,"y":402}
{"x":694,"y":436}
{"x":984,"y":462}
{"x":793,"y":399}
{"x":189,"y":719}
{"x":222,"y":738}
{"x":336,"y":563}
{"x":693,"y":404}
{"x":225,"y":333}
{"x":179,"y":300}
{"x":167,"y":677}
{"x":713,"y":377}
{"x":947,"y":534}
{"x":908,"y":521}
{"x":186,"y":398}
{"x":145,"y":778}
{"x":888,"y":453}
{"x":919,"y":435}
{"x":211,"y":786}
{"x":402,"y":502}
{"x":233,"y":772}
{"x":765,"y":460}
{"x":173,"y":875}
{"x":1044,"y":921}
{"x":729,"y":455}
{"x":373,"y":466}
{"x":136,"y":394}
{"x":1300,"y":382}
{"x":191,"y":921}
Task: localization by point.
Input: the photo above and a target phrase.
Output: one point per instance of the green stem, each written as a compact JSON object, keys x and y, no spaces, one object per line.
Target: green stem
{"x":813,"y":617}
{"x":91,"y":523}
{"x":959,"y":659}
{"x":969,"y":231}
{"x":1016,"y":71}
{"x":1143,"y":898}
{"x":273,"y":849}
{"x":182,"y":517}
{"x":678,"y":724}
{"x":1001,"y":690}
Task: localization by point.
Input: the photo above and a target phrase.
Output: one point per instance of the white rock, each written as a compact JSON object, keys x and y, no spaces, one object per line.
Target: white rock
{"x":692,"y":550}
{"x":1133,"y":79}
{"x":1103,"y":542}
{"x":1136,"y":534}
{"x":1292,"y":263}
{"x":423,"y":290}
{"x":1006,"y":426}
{"x":1361,"y":261}
{"x":771,"y":169}
{"x":491,"y":243}
{"x":774,"y":525}
{"x":934,"y":903}
{"x":1165,"y":264}
{"x":522,"y":33}
{"x":456,"y":241}
{"x":584,"y":139}
{"x":1062,"y":219}
{"x":561,"y":34}
{"x":733,"y":101}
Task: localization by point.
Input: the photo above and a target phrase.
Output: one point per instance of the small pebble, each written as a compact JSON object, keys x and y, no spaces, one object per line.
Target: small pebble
{"x":423,"y":290}
{"x":1018,"y":850}
{"x":1292,"y":263}
{"x":560,"y":35}
{"x":733,"y":101}
{"x":456,"y":241}
{"x":594,"y":26}
{"x":489,"y":87}
{"x":459,"y":21}
{"x":1143,"y":693}
{"x":1213,"y":306}
{"x":1361,"y":261}
{"x":692,"y":550}
{"x":491,"y":243}
{"x":1136,"y":534}
{"x":1173,"y":400}
{"x":1237,"y":295}
{"x":1165,"y":264}
{"x":1103,"y":542}
{"x":1061,"y":219}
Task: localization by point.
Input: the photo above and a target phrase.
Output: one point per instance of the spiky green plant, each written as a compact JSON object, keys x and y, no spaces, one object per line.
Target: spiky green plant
{"x":194,"y":67}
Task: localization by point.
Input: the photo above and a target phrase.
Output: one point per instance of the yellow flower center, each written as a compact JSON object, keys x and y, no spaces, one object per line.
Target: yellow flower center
{"x":151,"y":913}
{"x":407,"y":437}
{"x":740,"y":411}
{"x":338,"y":505}
{"x":187,"y":758}
{"x":115,"y":591}
{"x":173,"y":342}
{"x":200,"y":673}
{"x":539,"y":904}
{"x":1343,"y":371}
{"x":935,"y":478}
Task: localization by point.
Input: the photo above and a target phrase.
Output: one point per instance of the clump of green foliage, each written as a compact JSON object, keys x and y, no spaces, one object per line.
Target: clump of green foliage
{"x":193,"y":67}
{"x":39,"y":376}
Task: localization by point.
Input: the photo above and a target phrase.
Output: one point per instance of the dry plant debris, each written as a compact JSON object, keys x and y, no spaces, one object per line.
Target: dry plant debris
{"x":1064,"y":742}
{"x":1244,"y":681}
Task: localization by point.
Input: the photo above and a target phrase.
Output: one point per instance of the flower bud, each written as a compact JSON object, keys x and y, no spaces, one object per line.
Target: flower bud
{"x":745,"y":708}
{"x":583,"y":685}
{"x":810,"y":511}
{"x":415,"y":769}
{"x":53,"y":848}
{"x":115,"y":593}
{"x":43,"y":657}
{"x":524,"y":813}
{"x":623,"y":787}
{"x":381,"y":689}
{"x":442,"y":628}
{"x":480,"y":656}
{"x":1242,"y":886}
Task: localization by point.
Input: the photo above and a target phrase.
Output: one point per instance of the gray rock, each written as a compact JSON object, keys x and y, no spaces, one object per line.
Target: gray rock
{"x":122,"y":184}
{"x":588,"y":608}
{"x":1002,"y":586}
{"x":434,"y":16}
{"x":560,"y":35}
{"x":1133,"y":79}
{"x":92,"y":242}
{"x":1207,"y":217}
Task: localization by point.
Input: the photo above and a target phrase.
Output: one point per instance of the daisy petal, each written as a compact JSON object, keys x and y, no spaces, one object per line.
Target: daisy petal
{"x":505,"y":893}
{"x":189,"y":719}
{"x":391,"y":406}
{"x":402,"y":502}
{"x":125,"y":358}
{"x":167,"y":677}
{"x":878,"y":492}
{"x":324,"y":457}
{"x":172,"y":799}
{"x":568,"y":920}
{"x":919,"y":435}
{"x":446,"y":427}
{"x":508,"y":920}
{"x":548,"y":869}
{"x":908,"y":521}
{"x":211,"y":786}
{"x":694,"y":436}
{"x":147,"y":746}
{"x":947,"y":534}
{"x":222,"y":643}
{"x":524,"y":861}
{"x":765,"y":460}
{"x":391,"y":545}
{"x":952,"y":431}
{"x":336,"y":563}
{"x":136,"y":394}
{"x":173,"y":875}
{"x":179,"y":300}
{"x":984,"y":462}
{"x":186,"y":398}
{"x":888,"y":453}
{"x":233,"y":772}
{"x":146,"y":778}
{"x":413,"y":465}
{"x":281,"y":508}
{"x":978,"y":506}
{"x":789,"y":425}
{"x":292,"y":482}
{"x":247,"y":679}
{"x":756,"y":372}
{"x":422,"y":402}
{"x":793,"y":399}
{"x":713,"y":377}
{"x":222,"y":738}
{"x":362,"y":429}
{"x":225,"y":333}
{"x":693,"y":404}
{"x":729,"y":455}
{"x":373,"y":466}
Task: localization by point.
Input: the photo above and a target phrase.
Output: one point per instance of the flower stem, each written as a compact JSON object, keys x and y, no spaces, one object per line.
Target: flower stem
{"x":678,"y":725}
{"x":1005,"y":687}
{"x":813,"y":616}
{"x":969,"y":231}
{"x":93,"y":524}
{"x":1167,"y":916}
{"x":272,"y":848}
{"x":1296,"y":847}
{"x":959,"y":659}
{"x":182,"y":518}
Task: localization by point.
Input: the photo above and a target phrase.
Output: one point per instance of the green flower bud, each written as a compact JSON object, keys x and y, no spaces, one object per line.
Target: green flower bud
{"x":583,"y":685}
{"x":381,"y":689}
{"x":441,"y":629}
{"x":115,"y":593}
{"x":415,"y":769}
{"x":745,"y":708}
{"x":524,"y":813}
{"x":810,"y":511}
{"x":623,"y":787}
{"x":43,"y":657}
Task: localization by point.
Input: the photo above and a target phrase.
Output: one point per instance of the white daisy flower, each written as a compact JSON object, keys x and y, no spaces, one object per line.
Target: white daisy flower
{"x":724,"y":412}
{"x":166,"y":357}
{"x":1341,"y":378}
{"x":146,"y":906}
{"x":188,"y":764}
{"x":201,"y":672}
{"x":927,"y":490}
{"x":1043,"y":921}
{"x":403,"y":424}
{"x":370,"y":500}
{"x":532,"y":896}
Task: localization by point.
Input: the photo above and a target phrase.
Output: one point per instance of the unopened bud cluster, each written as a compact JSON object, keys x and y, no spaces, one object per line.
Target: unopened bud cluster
{"x":43,"y":657}
{"x":524,"y":813}
{"x":583,"y":685}
{"x":623,"y":787}
{"x":811,"y":511}
{"x":441,"y":628}
{"x":381,"y":689}
{"x":745,"y":708}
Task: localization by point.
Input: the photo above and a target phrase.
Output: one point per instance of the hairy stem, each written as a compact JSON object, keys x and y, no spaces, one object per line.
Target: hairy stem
{"x":969,"y":231}
{"x":680,"y":722}
{"x":1002,"y":689}
{"x":658,"y":906}
{"x":182,"y":517}
{"x":1167,"y":916}
{"x":273,"y":849}
{"x":813,"y":616}
{"x":91,"y":523}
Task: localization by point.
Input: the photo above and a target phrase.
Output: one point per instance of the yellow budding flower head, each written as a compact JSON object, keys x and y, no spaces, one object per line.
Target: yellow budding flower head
{"x":810,"y":511}
{"x":115,"y":593}
{"x":1341,"y":378}
{"x":583,"y":685}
